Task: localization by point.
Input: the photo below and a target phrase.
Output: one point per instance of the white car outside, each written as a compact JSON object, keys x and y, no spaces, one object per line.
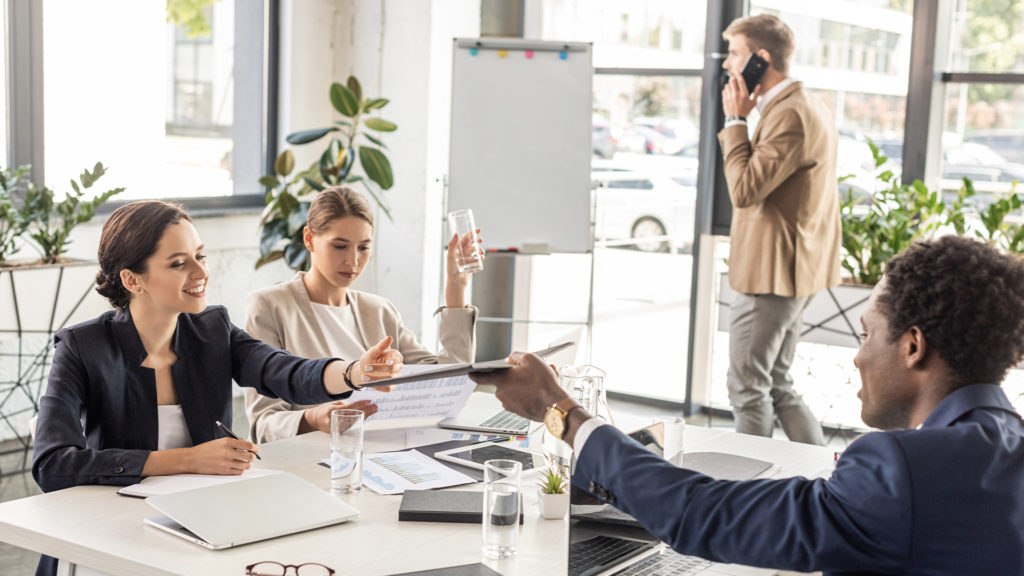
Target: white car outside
{"x":652,"y":213}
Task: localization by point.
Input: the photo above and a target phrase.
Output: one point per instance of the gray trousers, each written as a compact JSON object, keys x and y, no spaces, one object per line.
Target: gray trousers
{"x":764,"y":330}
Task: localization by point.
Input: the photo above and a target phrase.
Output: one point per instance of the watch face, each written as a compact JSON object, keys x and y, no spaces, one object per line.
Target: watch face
{"x":554,"y":422}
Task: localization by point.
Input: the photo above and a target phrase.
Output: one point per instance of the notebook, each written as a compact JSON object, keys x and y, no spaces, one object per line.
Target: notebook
{"x":443,"y":506}
{"x":227,"y":515}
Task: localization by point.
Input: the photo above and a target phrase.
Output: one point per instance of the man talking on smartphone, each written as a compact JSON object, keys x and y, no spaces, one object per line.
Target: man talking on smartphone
{"x":785,"y":233}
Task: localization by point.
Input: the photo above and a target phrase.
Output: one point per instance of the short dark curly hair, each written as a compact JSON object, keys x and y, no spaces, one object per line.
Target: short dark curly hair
{"x":130,"y":236}
{"x":966,"y":297}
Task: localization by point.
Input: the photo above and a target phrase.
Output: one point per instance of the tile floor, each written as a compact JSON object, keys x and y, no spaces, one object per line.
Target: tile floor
{"x":19,"y":562}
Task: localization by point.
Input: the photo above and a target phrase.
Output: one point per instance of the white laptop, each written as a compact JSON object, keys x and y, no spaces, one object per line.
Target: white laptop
{"x":482,"y":419}
{"x":227,"y":515}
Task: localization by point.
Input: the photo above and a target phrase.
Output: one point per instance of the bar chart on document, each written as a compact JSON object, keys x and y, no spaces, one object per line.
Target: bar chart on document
{"x":396,"y":472}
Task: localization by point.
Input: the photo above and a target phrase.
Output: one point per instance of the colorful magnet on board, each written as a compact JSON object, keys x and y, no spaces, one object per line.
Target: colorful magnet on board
{"x":474,"y":51}
{"x":529,"y":54}
{"x":502,"y":53}
{"x":563,"y":54}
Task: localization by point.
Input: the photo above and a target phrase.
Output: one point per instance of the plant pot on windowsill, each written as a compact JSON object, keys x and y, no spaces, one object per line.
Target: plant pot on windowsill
{"x":553,"y":506}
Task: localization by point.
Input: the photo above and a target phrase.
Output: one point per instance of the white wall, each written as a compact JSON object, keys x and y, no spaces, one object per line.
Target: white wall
{"x":400,"y":50}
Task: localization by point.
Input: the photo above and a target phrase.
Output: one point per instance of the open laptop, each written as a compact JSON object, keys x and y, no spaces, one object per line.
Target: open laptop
{"x":227,"y":515}
{"x":605,"y":541}
{"x":478,"y":419}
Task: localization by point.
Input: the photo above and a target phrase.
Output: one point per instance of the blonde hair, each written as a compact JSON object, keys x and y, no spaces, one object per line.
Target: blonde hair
{"x":767,"y":32}
{"x":337,"y":202}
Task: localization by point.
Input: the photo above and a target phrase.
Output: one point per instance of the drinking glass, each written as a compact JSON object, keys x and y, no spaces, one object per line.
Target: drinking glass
{"x":502,"y":504}
{"x":346,"y":450}
{"x":585,"y":384}
{"x":467,"y":259}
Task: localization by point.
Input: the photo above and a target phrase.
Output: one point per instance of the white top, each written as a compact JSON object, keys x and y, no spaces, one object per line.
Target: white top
{"x":338,"y":324}
{"x":771,"y":94}
{"x":172,"y":431}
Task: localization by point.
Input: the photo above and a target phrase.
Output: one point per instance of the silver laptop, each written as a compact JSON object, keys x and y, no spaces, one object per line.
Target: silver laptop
{"x":503,"y":421}
{"x":227,"y":515}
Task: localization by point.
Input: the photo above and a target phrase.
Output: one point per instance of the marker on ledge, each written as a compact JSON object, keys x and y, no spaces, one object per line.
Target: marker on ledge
{"x":500,"y":250}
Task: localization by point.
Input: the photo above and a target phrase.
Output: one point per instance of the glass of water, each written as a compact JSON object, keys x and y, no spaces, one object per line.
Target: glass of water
{"x":467,"y":257}
{"x":502,"y":507}
{"x":346,"y":450}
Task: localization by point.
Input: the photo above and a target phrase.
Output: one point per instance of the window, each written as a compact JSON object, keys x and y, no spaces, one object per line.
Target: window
{"x":987,"y":36}
{"x":172,"y":113}
{"x":645,"y":141}
{"x":983,"y":134}
{"x":634,"y":34}
{"x":4,"y":130}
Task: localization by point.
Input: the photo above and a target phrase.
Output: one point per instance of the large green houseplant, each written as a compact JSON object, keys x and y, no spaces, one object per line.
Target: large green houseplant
{"x":33,"y":210}
{"x":896,"y":214}
{"x":350,"y":146}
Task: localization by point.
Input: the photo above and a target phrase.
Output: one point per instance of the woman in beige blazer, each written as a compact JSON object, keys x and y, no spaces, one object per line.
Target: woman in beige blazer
{"x":316,"y":314}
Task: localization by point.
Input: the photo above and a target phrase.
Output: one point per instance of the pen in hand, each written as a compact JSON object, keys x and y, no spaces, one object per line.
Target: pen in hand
{"x":228,"y":431}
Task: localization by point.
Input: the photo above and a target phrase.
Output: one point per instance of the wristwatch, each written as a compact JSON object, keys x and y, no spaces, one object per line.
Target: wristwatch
{"x":735,"y":118}
{"x":557,"y":416}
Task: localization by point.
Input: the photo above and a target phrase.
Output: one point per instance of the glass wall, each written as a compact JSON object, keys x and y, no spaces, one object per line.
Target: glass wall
{"x":855,"y":56}
{"x":4,"y":130}
{"x":151,"y":97}
{"x":648,"y":57}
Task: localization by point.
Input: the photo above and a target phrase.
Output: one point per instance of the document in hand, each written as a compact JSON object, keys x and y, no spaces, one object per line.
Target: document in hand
{"x":450,"y":370}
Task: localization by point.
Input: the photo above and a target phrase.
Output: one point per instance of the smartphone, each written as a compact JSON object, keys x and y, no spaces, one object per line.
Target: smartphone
{"x":753,"y":70}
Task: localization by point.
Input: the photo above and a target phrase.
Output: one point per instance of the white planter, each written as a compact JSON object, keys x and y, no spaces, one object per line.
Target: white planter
{"x":553,"y":506}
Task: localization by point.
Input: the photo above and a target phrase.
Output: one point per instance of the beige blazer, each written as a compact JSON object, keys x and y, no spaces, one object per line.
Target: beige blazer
{"x":786,"y":232}
{"x":282,"y":316}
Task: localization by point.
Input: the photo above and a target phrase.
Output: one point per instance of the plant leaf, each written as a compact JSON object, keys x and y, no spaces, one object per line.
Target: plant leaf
{"x":296,"y":257}
{"x":354,"y":86}
{"x":285,"y":163}
{"x":264,"y":260}
{"x":269,"y":181}
{"x":380,"y":125}
{"x":307,"y":136}
{"x":376,"y":166}
{"x":374,"y":104}
{"x":344,"y":101}
{"x":374,"y":140}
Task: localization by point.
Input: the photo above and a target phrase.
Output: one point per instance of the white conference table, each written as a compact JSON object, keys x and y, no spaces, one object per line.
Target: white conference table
{"x":95,"y":531}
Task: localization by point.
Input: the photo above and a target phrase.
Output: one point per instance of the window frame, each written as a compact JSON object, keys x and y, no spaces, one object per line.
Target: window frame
{"x":26,"y":120}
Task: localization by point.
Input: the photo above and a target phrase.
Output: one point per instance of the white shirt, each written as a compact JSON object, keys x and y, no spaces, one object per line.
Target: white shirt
{"x":765,"y":99}
{"x":583,"y":433}
{"x":338,"y":323}
{"x":171,"y":429}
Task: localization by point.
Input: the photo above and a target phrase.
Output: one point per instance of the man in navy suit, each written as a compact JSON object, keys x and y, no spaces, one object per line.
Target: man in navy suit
{"x":940,"y":491}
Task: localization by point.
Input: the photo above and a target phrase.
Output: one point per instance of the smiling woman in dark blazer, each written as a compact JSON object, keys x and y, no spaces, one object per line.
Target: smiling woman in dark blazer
{"x":136,"y":391}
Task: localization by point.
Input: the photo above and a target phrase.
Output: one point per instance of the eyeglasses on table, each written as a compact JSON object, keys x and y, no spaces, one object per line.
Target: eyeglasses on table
{"x":277,"y":569}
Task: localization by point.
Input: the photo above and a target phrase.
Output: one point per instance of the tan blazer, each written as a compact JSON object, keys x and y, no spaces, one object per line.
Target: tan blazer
{"x":282,"y":316}
{"x":786,"y":232}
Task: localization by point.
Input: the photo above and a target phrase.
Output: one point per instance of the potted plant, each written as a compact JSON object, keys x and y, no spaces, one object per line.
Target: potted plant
{"x":40,"y":296}
{"x":349,"y":147}
{"x":553,"y":496}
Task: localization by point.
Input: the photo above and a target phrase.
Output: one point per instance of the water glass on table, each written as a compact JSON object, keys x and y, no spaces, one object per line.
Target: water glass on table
{"x":346,"y":450}
{"x":467,"y":257}
{"x":502,"y":504}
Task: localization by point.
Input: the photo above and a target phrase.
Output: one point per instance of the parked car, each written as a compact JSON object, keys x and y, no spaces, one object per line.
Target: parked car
{"x":655,"y":211}
{"x":603,"y":140}
{"x":1008,"y":143}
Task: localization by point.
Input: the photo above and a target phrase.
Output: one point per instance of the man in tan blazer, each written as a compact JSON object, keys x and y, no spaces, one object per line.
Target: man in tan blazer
{"x":785,"y":233}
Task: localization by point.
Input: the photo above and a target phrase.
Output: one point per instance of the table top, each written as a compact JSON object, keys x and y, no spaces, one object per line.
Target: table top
{"x":93,"y":526}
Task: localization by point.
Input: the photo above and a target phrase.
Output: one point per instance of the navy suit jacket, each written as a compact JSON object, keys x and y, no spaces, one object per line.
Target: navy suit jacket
{"x":98,"y":420}
{"x":945,"y":499}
